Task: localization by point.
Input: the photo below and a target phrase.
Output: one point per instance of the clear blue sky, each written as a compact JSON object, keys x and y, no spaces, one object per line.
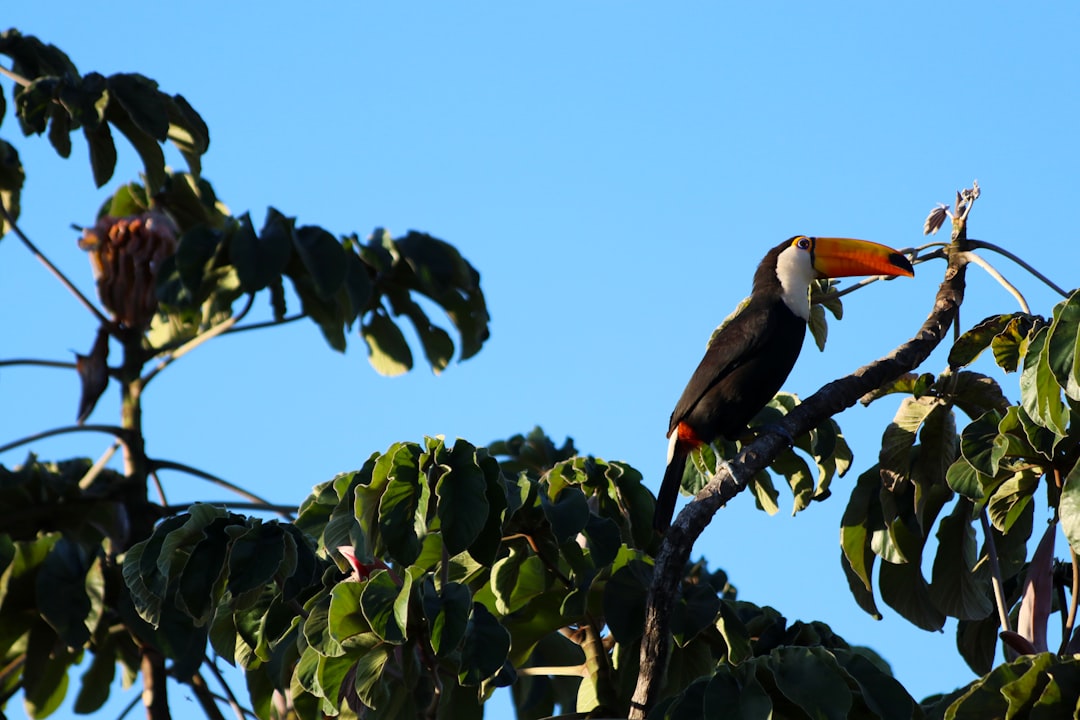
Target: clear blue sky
{"x":615,"y":171}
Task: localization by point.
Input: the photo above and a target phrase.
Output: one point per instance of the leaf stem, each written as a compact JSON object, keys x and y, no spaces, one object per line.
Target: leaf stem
{"x":266,"y":324}
{"x":982,"y":244}
{"x":19,"y":79}
{"x":995,"y":571}
{"x":197,"y":341}
{"x":156,"y":464}
{"x":53,"y":269}
{"x":40,"y":363}
{"x":992,"y":272}
{"x":114,"y":430}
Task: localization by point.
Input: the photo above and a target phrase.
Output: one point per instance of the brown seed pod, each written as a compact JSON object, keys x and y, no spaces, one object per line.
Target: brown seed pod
{"x":125,"y":254}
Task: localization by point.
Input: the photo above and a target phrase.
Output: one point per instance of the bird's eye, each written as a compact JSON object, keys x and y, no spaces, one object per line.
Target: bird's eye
{"x":803,"y":243}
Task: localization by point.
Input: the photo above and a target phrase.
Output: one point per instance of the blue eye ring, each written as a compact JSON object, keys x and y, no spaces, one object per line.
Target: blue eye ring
{"x":804,"y":243}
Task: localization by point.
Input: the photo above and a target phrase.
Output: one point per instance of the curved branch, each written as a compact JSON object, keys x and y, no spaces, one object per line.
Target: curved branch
{"x":197,"y":341}
{"x":40,"y":363}
{"x":733,"y":476}
{"x":52,"y":268}
{"x":156,"y":464}
{"x":982,"y":244}
{"x":993,"y":272}
{"x":116,"y":431}
{"x":266,"y":324}
{"x":19,"y":79}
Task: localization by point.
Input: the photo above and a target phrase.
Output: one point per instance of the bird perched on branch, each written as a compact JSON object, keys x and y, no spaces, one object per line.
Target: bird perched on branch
{"x":749,"y":358}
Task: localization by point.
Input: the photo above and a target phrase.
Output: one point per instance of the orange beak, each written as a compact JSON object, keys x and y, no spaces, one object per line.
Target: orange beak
{"x":843,"y":257}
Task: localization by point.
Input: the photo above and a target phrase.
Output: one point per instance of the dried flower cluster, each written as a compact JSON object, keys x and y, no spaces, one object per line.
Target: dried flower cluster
{"x":126,"y":253}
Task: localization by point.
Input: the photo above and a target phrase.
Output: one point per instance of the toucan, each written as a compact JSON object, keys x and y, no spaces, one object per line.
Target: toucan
{"x":749,"y":357}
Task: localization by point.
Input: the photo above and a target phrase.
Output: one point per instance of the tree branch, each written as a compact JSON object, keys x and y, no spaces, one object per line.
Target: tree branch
{"x":198,"y":340}
{"x":53,"y":269}
{"x":39,"y":363}
{"x":974,"y":244}
{"x":156,"y":464}
{"x":733,"y":476}
{"x":118,"y":432}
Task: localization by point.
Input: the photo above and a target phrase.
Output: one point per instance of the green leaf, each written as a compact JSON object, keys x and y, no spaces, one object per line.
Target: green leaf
{"x":1063,"y":346}
{"x":260,"y":259}
{"x":102,"y":152}
{"x":345,"y":620}
{"x":142,"y":101}
{"x":255,"y":558}
{"x":905,"y":590}
{"x":61,"y":591}
{"x":894,"y":459}
{"x":624,"y":601}
{"x":12,"y":177}
{"x":1040,"y":394}
{"x":485,"y":647}
{"x":1069,"y":507}
{"x":447,"y":614}
{"x":516,"y":579}
{"x":377,"y":603}
{"x":388,"y":352}
{"x":695,"y":610}
{"x":194,"y":256}
{"x":323,"y":257}
{"x":403,"y":507}
{"x":568,"y":512}
{"x":96,"y":682}
{"x":812,"y":679}
{"x":463,"y":505}
{"x":956,"y":589}
{"x":970,"y":345}
{"x":1011,"y":344}
{"x":145,"y":145}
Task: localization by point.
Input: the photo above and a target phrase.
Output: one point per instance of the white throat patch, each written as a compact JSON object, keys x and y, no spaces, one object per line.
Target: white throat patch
{"x":795,"y":273}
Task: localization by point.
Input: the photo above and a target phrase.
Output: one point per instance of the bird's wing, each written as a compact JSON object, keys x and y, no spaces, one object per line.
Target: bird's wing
{"x":741,"y":339}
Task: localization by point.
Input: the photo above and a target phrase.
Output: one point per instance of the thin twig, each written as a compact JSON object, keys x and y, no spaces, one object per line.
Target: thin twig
{"x":116,"y":431}
{"x":230,"y":505}
{"x":95,"y":470}
{"x":995,"y":572}
{"x":992,"y":272}
{"x":240,"y":712}
{"x":197,"y":341}
{"x":52,"y":268}
{"x":40,"y":363}
{"x":19,"y":79}
{"x":156,"y":464}
{"x":265,"y":324}
{"x":1002,"y":251}
{"x":160,"y":489}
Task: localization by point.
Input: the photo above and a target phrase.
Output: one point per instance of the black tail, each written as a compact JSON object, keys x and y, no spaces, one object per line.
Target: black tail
{"x":669,"y":488}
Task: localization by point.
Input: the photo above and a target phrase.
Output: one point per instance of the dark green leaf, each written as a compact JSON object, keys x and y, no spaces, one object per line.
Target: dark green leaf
{"x":259,"y":260}
{"x":388,"y":352}
{"x":447,"y":614}
{"x":955,"y":587}
{"x":142,"y":102}
{"x":1063,"y":346}
{"x":1011,"y":344}
{"x":624,"y":600}
{"x":61,"y":592}
{"x":463,"y":506}
{"x":102,"y":153}
{"x":812,"y":679}
{"x":323,"y":257}
{"x":255,"y":558}
{"x":1040,"y":394}
{"x":568,"y":512}
{"x":146,"y":146}
{"x":970,"y":345}
{"x":377,"y":602}
{"x":905,"y":590}
{"x":1069,"y":507}
{"x":96,"y":681}
{"x":404,"y":504}
{"x":694,"y":611}
{"x":485,"y":647}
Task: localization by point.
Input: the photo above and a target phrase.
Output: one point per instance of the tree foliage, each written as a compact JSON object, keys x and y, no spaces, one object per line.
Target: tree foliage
{"x":437,"y":572}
